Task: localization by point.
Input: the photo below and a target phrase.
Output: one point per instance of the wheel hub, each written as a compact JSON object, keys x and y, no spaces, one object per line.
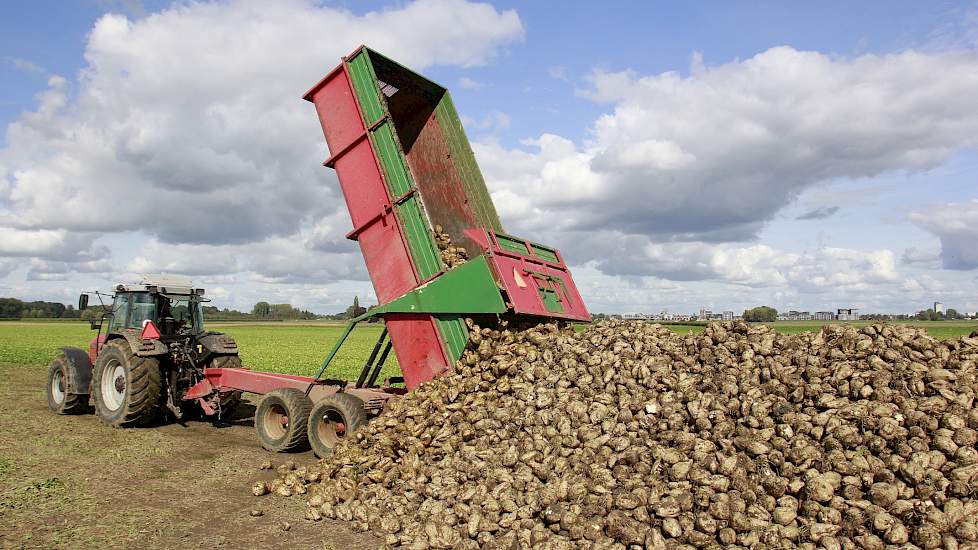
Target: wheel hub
{"x":112,"y":389}
{"x":58,"y":387}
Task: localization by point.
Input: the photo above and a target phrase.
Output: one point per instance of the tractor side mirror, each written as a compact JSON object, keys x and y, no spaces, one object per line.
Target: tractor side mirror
{"x":95,"y":324}
{"x":83,"y":302}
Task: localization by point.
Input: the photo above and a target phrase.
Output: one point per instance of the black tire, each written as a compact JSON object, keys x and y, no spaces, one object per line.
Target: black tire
{"x":128,"y":396}
{"x":281,"y":419}
{"x":332,"y":420}
{"x":59,"y":398}
{"x":230,"y":400}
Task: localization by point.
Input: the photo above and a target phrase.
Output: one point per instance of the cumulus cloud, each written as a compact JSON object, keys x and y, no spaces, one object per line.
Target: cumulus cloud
{"x":712,"y":155}
{"x":956,"y":225}
{"x":187,"y":123}
{"x":186,"y":128}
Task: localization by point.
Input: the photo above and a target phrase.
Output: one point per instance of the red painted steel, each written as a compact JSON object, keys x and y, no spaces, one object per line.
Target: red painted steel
{"x":415,"y":339}
{"x":228,"y":379}
{"x":421,"y":353}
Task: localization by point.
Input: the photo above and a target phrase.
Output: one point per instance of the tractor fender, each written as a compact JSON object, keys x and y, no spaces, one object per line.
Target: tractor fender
{"x":79,"y":379}
{"x":140,"y":347}
{"x":217,"y":343}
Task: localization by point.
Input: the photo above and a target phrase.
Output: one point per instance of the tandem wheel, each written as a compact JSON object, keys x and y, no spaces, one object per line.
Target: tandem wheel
{"x":334,"y":419}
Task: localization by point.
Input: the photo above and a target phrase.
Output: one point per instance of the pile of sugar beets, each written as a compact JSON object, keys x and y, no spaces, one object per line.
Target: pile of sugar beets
{"x":628,"y":435}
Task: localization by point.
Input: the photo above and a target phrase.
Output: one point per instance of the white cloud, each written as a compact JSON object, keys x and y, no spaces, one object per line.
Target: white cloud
{"x":956,"y":225}
{"x":188,"y":123}
{"x":24,"y":65}
{"x":713,"y":155}
{"x":467,"y":83}
{"x":186,"y":128}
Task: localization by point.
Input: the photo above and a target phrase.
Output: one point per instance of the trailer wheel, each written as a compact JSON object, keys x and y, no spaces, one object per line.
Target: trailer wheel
{"x":281,"y":419}
{"x":126,"y":387}
{"x":334,"y":419}
{"x":60,"y":400}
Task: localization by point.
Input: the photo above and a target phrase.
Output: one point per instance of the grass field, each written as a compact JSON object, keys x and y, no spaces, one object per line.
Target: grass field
{"x":299,"y":348}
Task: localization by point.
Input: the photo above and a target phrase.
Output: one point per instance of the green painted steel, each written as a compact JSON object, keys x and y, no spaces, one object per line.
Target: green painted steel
{"x":464,"y":160}
{"x":512,"y":244}
{"x":469,"y":288}
{"x":336,"y":347}
{"x":545,"y":253}
{"x":454,"y":333}
{"x":417,"y":232}
{"x":365,"y":85}
{"x":395,"y":173}
{"x":550,"y":300}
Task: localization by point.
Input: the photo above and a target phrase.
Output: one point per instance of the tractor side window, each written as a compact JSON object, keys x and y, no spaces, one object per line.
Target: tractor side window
{"x":143,"y":308}
{"x":120,"y":309}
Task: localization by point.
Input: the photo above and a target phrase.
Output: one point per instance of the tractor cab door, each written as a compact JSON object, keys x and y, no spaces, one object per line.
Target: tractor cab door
{"x":130,"y":309}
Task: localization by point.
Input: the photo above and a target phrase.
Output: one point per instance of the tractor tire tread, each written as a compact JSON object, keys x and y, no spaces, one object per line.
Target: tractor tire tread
{"x":351,"y":410}
{"x":145,"y":383}
{"x":298,"y":406}
{"x":73,"y":403}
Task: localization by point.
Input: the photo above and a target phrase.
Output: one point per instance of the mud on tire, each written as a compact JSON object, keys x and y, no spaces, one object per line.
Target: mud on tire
{"x":125,"y":387}
{"x":59,"y":399}
{"x":281,"y":419}
{"x":332,"y":420}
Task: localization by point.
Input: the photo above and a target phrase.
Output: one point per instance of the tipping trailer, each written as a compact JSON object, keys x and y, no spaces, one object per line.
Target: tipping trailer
{"x":411,"y":184}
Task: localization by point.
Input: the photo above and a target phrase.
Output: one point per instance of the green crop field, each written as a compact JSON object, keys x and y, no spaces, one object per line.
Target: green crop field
{"x":299,"y":348}
{"x":277,"y":347}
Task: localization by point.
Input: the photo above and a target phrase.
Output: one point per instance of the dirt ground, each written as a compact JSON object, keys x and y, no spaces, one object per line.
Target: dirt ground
{"x":71,"y":482}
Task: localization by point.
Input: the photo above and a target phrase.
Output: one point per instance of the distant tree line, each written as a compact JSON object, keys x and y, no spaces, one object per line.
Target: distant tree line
{"x":931,"y":315}
{"x":12,"y":308}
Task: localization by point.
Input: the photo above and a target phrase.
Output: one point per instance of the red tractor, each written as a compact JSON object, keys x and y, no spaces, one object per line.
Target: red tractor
{"x":153,"y":350}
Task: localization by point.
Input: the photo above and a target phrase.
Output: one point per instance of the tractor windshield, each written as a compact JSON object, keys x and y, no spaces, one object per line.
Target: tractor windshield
{"x":185,"y":312}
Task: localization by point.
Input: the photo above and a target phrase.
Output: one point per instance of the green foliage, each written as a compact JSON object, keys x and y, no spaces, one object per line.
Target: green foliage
{"x":12,"y":308}
{"x":762,"y":314}
{"x":355,"y":310}
{"x":262,"y":310}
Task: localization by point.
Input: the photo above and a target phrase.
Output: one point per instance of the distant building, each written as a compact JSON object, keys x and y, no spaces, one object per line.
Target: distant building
{"x":847,"y":314}
{"x":824,"y":316}
{"x":728,"y":315}
{"x":939,"y":308}
{"x":798,"y":316}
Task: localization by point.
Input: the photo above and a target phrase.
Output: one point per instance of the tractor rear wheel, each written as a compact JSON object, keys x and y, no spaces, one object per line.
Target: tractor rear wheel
{"x":334,"y":419}
{"x":126,"y":388}
{"x":60,"y":400}
{"x":281,"y":419}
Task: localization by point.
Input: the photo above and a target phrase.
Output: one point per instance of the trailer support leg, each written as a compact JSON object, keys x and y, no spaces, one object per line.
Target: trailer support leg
{"x":370,"y":360}
{"x":332,"y":353}
{"x":378,"y":366}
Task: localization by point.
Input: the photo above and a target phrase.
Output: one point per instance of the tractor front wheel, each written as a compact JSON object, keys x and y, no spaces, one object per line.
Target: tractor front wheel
{"x":334,"y":419}
{"x":281,"y":419}
{"x":60,"y":399}
{"x":126,"y":388}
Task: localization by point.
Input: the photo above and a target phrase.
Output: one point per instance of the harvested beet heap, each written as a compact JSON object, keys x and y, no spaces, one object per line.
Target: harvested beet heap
{"x":629,"y":435}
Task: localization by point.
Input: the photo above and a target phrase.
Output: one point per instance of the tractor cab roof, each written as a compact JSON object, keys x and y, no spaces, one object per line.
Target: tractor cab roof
{"x":163,"y":284}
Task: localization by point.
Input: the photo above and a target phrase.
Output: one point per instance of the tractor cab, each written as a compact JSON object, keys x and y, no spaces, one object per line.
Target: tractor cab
{"x":168,"y":306}
{"x":173,"y":307}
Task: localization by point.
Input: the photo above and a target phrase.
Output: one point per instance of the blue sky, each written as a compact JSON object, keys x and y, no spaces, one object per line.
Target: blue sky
{"x":735,"y":193}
